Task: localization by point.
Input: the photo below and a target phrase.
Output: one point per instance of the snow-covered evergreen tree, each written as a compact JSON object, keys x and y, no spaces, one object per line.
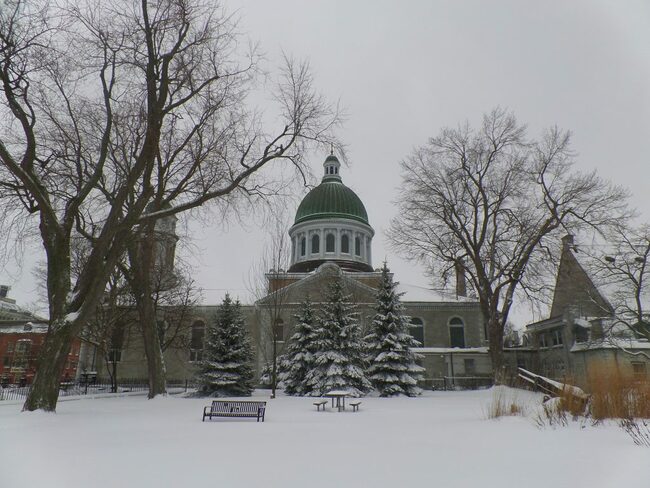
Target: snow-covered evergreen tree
{"x":393,"y":369}
{"x":298,"y":360}
{"x":338,"y":348}
{"x":226,"y":369}
{"x":266,"y":376}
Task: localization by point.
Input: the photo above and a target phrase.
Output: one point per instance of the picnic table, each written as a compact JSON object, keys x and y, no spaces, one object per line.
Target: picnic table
{"x":339,"y":396}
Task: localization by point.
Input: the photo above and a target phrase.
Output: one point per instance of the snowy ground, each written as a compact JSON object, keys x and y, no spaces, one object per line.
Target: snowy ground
{"x":441,"y":440}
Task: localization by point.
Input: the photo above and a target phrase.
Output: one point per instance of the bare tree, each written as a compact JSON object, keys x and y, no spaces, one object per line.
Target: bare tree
{"x":488,"y":201}
{"x":267,"y":284}
{"x":620,"y":268}
{"x":114,"y":106}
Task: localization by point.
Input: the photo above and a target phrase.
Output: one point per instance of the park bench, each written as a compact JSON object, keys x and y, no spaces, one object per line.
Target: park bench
{"x":235,"y":408}
{"x":320,"y":403}
{"x":355,"y":405}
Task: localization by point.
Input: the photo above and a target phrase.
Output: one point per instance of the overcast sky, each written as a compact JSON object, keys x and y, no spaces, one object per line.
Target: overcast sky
{"x":403,"y":70}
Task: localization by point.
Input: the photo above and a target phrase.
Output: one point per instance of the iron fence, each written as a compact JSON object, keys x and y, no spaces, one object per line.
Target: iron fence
{"x":94,"y":387}
{"x":460,"y":382}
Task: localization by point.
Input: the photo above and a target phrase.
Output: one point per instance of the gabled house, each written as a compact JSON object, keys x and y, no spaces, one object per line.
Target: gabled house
{"x":581,"y":333}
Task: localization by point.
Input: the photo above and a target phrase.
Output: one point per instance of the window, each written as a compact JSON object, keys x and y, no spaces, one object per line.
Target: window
{"x":116,"y":344}
{"x":7,"y":361}
{"x":10,"y":347}
{"x":581,"y":334}
{"x":315,"y":244}
{"x":557,"y":337}
{"x":303,"y":246}
{"x":456,"y":332}
{"x":278,"y":330}
{"x":639,"y":370}
{"x":345,"y":244}
{"x":542,"y":340}
{"x":329,"y":243}
{"x":357,"y":246}
{"x":21,"y":354}
{"x":196,"y":341}
{"x":417,"y":331}
{"x":470,"y":366}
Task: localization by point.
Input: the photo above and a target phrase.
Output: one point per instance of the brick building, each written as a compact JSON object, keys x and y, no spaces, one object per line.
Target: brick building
{"x":21,"y":336}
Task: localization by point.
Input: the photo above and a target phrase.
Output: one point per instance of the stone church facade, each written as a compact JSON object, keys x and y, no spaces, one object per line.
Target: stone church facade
{"x":331,"y":238}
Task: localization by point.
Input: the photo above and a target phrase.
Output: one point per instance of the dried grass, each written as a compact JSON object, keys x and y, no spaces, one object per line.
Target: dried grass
{"x":503,"y":404}
{"x":617,"y":396}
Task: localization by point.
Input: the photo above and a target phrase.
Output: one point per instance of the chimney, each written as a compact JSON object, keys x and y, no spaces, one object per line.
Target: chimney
{"x":461,"y":284}
{"x":567,"y":242}
{"x":4,"y":290}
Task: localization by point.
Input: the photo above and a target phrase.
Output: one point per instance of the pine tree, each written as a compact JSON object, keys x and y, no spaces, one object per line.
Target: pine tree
{"x":227,"y":367}
{"x":393,"y":369}
{"x":338,"y":349}
{"x":299,"y":358}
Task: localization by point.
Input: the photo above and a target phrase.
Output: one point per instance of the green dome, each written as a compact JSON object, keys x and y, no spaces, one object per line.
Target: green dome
{"x":331,"y":199}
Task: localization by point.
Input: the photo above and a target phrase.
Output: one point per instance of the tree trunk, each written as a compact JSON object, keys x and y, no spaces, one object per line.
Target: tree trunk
{"x":153,"y":351}
{"x":495,"y":340}
{"x":44,"y":392}
{"x":142,"y":259}
{"x":274,"y":373}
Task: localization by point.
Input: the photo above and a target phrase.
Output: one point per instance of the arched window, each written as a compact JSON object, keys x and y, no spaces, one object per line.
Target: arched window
{"x":278,"y":330}
{"x":315,"y":244}
{"x":456,"y":332}
{"x":417,"y":330}
{"x":196,"y":340}
{"x":303,"y":246}
{"x":357,"y":246}
{"x":329,"y":243}
{"x":345,"y":244}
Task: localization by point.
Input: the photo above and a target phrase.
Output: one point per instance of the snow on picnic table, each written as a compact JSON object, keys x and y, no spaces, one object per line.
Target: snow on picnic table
{"x":441,"y":439}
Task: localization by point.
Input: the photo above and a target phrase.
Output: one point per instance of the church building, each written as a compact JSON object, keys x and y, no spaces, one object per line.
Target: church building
{"x":331,"y":237}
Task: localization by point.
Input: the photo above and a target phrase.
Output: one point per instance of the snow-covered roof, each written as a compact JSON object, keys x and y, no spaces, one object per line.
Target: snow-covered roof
{"x":29,"y":327}
{"x":446,"y":350}
{"x":415,"y":293}
{"x":10,"y":311}
{"x":612,"y":343}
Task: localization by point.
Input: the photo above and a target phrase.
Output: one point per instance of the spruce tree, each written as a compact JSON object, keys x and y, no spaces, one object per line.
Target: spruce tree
{"x":299,"y":358}
{"x":393,"y":369}
{"x":227,"y":366}
{"x":338,"y":349}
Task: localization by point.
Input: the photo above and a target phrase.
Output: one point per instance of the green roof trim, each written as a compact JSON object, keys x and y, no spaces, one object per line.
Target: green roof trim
{"x":331,"y":199}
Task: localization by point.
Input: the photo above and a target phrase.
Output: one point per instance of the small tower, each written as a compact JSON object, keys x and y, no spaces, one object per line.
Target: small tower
{"x":164,"y":249}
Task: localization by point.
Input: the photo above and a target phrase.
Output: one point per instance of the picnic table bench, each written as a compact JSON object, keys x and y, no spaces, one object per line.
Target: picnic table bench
{"x":235,"y":408}
{"x":320,"y":403}
{"x":355,"y":405}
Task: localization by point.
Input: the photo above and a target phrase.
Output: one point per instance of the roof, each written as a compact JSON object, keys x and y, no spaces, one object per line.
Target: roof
{"x":11,"y":312}
{"x":414,"y":293}
{"x":24,"y":328}
{"x":331,"y":199}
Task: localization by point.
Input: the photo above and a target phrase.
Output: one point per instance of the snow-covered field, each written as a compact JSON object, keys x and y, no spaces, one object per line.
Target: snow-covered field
{"x":441,"y":440}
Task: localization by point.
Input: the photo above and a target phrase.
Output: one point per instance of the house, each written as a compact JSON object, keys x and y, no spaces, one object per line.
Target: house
{"x":21,"y":336}
{"x":583,"y":334}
